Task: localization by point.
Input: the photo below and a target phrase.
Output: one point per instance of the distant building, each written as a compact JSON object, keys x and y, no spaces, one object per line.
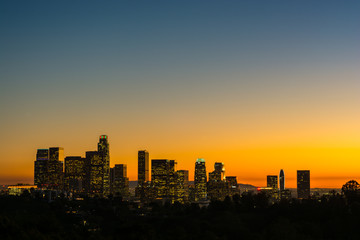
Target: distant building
{"x":303,"y":183}
{"x":172,"y":181}
{"x":272,"y":181}
{"x":182,"y":186}
{"x":17,"y":190}
{"x":160,"y":169}
{"x":104,"y":153}
{"x":143,"y":167}
{"x":200,"y":180}
{"x":282,"y":180}
{"x":119,"y":180}
{"x":55,"y":168}
{"x":40,"y":168}
{"x":75,"y":174}
{"x":232,"y":185}
{"x":217,"y":188}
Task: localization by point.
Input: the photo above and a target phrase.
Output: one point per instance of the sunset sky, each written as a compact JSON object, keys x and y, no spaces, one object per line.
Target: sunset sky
{"x":258,"y":85}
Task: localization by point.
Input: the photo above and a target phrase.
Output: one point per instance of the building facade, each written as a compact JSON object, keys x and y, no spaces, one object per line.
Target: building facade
{"x":303,"y":184}
{"x":200,"y":180}
{"x":119,"y":180}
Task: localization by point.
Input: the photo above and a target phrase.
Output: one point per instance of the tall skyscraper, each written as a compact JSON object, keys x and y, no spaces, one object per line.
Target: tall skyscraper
{"x":40,"y":168}
{"x":75,"y":174}
{"x":119,"y":180}
{"x":143,"y":167}
{"x":160,"y":169}
{"x":282,"y":180}
{"x":95,"y":175}
{"x":303,"y":183}
{"x":55,"y":168}
{"x":182,"y":186}
{"x":104,"y":153}
{"x":232,"y":185}
{"x":272,"y":181}
{"x":200,"y":180}
{"x":217,"y":187}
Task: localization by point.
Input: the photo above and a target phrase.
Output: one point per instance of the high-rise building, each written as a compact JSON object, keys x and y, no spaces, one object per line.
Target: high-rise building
{"x":104,"y":153}
{"x":119,"y":180}
{"x":172,"y":181}
{"x":200,"y":180}
{"x":160,"y":169}
{"x":75,"y":174}
{"x":182,"y":186}
{"x":40,"y":168}
{"x":303,"y":183}
{"x":143,"y":167}
{"x":217,"y":187}
{"x":95,"y":166}
{"x":272,"y":181}
{"x":233,"y":185}
{"x":55,"y":168}
{"x":282,"y":180}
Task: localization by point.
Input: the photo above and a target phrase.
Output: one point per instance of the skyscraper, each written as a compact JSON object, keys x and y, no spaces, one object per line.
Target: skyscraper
{"x":55,"y":168}
{"x":40,"y":168}
{"x":200,"y":180}
{"x":95,"y":174}
{"x":182,"y":186}
{"x":217,"y":187}
{"x":160,"y":169}
{"x":282,"y":180}
{"x":119,"y":180}
{"x":75,"y":174}
{"x":303,"y":183}
{"x":104,"y":153}
{"x":272,"y":181}
{"x":232,"y":185}
{"x":143,"y":167}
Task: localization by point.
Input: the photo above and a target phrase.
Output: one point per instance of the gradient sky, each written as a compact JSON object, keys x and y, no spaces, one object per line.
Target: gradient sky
{"x":258,"y":85}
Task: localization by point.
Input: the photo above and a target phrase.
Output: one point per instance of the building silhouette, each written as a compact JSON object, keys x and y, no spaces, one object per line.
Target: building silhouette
{"x":217,"y":187}
{"x":40,"y":168}
{"x":272,"y":181}
{"x":282,"y":180}
{"x":55,"y":168}
{"x":200,"y":191}
{"x":104,"y":153}
{"x":233,"y":186}
{"x":75,"y":176}
{"x":119,"y":180}
{"x":160,"y":169}
{"x":143,"y":167}
{"x":303,"y":184}
{"x":182,"y":186}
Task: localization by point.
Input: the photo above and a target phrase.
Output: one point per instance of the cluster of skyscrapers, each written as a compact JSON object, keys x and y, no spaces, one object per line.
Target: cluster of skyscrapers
{"x":91,"y":175}
{"x":277,"y":192}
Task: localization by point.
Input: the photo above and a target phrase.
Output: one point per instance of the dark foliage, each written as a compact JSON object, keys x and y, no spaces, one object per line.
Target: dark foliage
{"x":246,"y":217}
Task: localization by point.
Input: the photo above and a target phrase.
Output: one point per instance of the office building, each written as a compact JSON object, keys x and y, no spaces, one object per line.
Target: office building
{"x":95,"y":174}
{"x":282,"y":180}
{"x":55,"y":168}
{"x":200,"y":180}
{"x":160,"y":169}
{"x":272,"y":181}
{"x":233,"y":186}
{"x":119,"y":180}
{"x":182,"y":186}
{"x":40,"y":168}
{"x":217,"y":188}
{"x":75,"y":174}
{"x":143,"y":167}
{"x":303,"y":184}
{"x":104,"y":153}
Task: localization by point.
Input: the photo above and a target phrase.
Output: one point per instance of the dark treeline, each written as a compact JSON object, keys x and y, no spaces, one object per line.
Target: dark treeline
{"x":246,"y":217}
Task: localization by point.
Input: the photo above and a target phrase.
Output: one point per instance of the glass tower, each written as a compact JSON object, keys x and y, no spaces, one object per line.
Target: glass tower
{"x":200,"y":180}
{"x":303,"y":183}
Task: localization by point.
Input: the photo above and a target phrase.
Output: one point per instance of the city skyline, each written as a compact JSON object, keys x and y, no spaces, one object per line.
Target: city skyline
{"x":260,"y":86}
